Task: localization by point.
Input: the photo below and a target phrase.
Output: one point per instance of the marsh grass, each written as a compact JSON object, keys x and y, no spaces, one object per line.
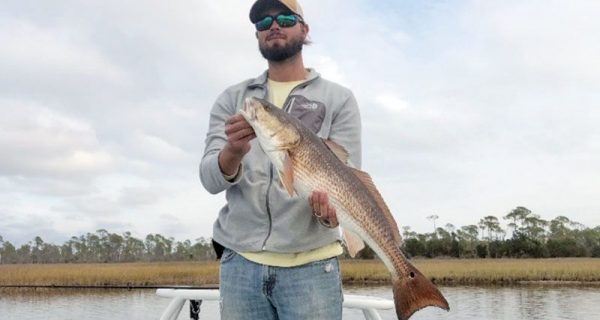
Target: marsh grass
{"x":485,"y":271}
{"x":135,"y":274}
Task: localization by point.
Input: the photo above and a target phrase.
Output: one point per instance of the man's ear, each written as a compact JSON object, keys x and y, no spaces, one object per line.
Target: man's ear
{"x":306,"y":28}
{"x":256,"y":34}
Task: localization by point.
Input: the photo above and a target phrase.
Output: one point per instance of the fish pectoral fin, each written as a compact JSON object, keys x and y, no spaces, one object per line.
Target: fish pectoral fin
{"x":338,"y":150}
{"x":353,"y":242}
{"x":282,"y":147}
{"x":286,"y":176}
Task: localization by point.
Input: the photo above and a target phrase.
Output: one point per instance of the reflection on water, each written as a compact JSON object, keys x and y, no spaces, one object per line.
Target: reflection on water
{"x":528,"y":302}
{"x":55,"y":304}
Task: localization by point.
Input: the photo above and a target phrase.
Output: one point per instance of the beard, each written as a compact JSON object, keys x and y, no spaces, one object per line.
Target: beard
{"x":279,"y":53}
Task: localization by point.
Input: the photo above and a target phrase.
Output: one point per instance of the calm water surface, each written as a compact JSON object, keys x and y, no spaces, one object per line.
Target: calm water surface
{"x":539,"y":302}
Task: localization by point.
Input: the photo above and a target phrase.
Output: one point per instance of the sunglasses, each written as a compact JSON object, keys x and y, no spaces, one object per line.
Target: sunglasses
{"x":283,"y":20}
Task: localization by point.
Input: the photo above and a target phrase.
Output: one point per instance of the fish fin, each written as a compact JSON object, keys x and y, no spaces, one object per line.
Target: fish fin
{"x":365,"y":178}
{"x":414,"y":292}
{"x":286,"y":147}
{"x":286,"y":176}
{"x":338,"y":150}
{"x":353,"y":242}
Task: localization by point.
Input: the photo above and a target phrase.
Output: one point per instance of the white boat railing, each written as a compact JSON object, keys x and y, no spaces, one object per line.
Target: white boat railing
{"x":368,"y":305}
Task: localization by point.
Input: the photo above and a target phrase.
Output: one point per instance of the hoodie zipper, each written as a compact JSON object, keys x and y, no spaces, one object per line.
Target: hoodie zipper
{"x":264,"y":245}
{"x":267,"y":204}
{"x":271,"y":169}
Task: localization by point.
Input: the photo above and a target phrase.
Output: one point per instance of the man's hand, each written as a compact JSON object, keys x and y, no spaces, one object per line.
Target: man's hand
{"x":239,"y":133}
{"x":319,"y":201}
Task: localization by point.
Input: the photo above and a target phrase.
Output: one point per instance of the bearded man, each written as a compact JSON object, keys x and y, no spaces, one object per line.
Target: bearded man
{"x":278,"y":254}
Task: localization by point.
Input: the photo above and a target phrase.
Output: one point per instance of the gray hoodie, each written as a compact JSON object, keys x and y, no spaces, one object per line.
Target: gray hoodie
{"x":259,"y":214}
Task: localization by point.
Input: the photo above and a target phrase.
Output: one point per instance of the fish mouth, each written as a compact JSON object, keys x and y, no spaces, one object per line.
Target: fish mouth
{"x":248,"y":110}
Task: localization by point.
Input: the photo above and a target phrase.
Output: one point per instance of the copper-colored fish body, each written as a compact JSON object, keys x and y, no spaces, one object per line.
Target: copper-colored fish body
{"x":306,"y":163}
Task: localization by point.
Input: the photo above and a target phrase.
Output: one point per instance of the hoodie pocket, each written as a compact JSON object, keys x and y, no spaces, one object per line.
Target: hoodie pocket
{"x":310,"y":113}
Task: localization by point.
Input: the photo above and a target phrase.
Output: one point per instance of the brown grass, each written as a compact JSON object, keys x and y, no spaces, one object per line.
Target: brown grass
{"x":497,"y":271}
{"x":135,"y":274}
{"x":484,"y":271}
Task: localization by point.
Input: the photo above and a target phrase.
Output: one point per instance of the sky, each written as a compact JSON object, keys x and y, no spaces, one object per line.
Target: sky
{"x":469,"y":108}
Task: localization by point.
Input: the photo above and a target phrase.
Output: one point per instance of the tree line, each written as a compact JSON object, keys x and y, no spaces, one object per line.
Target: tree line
{"x":530,"y":236}
{"x":103,"y":246}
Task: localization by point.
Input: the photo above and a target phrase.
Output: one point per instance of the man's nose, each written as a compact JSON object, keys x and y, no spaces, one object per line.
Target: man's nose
{"x":275,"y":26}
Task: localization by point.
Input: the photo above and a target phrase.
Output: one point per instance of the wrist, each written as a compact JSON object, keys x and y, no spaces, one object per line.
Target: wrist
{"x":233,"y":177}
{"x":229,"y":161}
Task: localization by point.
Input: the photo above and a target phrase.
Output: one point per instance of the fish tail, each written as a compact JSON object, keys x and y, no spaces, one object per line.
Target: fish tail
{"x":415,"y":292}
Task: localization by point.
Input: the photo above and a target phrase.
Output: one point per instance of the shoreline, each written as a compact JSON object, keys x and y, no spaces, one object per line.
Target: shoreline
{"x":452,"y":283}
{"x":444,"y":272}
{"x":350,"y":284}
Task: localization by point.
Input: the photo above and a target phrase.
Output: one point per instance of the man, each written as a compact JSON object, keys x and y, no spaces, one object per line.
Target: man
{"x":279,"y":261}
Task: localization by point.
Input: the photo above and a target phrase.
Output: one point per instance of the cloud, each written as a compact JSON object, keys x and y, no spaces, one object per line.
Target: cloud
{"x":469,"y":108}
{"x":40,"y":142}
{"x":23,"y":219}
{"x":481,"y":106}
{"x":392,"y":103}
{"x":53,"y":53}
{"x":546,"y":42}
{"x":327,"y":66}
{"x":140,"y":196}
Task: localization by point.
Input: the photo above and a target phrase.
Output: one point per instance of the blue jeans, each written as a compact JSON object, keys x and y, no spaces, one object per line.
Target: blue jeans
{"x":252,"y":291}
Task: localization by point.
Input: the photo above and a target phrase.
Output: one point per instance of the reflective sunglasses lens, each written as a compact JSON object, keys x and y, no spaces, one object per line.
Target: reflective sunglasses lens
{"x":286,"y":21}
{"x":264,"y":24}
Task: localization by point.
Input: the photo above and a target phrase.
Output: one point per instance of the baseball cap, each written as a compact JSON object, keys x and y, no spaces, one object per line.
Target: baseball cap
{"x":261,"y":6}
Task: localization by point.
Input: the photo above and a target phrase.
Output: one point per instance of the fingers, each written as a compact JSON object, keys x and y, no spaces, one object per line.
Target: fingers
{"x":235,"y":118}
{"x":322,"y":209}
{"x":239,"y":133}
{"x":315,"y":203}
{"x":237,"y":126}
{"x":319,"y":198}
{"x":246,"y":134}
{"x":310,"y":203}
{"x":332,"y":221}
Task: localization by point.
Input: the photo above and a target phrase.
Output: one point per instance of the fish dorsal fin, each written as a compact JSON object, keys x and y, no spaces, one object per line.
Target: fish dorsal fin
{"x":338,"y":150}
{"x":365,"y":178}
{"x":286,"y":175}
{"x":353,"y":242}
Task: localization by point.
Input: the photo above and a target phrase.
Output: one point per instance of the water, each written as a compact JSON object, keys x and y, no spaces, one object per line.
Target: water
{"x":525,"y":302}
{"x":529,"y":302}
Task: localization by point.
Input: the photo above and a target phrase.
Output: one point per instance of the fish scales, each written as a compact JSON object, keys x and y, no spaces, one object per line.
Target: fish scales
{"x":306,"y":164}
{"x":320,"y":169}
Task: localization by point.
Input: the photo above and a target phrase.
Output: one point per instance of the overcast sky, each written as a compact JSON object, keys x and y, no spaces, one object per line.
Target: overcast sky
{"x":470,"y":108}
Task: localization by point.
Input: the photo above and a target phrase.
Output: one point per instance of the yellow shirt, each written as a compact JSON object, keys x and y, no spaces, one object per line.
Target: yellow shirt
{"x":276,"y":259}
{"x":278,"y":93}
